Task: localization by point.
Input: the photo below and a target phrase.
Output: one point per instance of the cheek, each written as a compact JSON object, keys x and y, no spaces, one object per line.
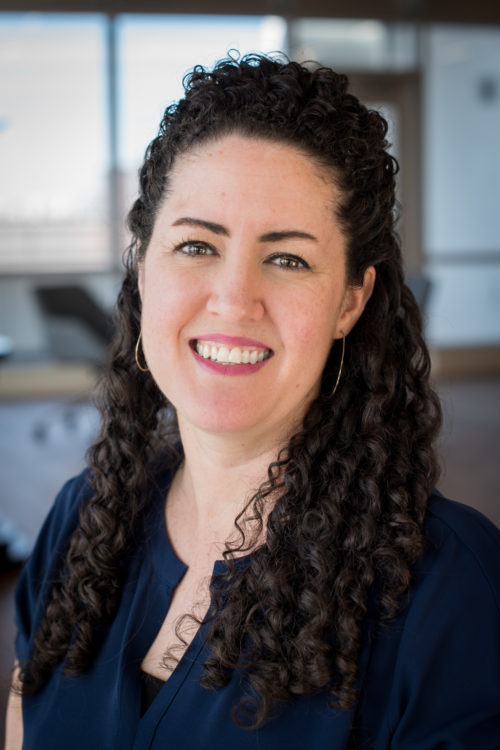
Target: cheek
{"x":314,"y":319}
{"x":167,"y":301}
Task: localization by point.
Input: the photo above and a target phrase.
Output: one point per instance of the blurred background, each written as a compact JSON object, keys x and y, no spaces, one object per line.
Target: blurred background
{"x":82,"y":89}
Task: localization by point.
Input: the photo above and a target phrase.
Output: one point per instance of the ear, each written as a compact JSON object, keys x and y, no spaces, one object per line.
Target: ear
{"x":353,"y":304}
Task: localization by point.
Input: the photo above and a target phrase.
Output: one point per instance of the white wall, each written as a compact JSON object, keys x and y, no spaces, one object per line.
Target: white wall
{"x":464,"y":308}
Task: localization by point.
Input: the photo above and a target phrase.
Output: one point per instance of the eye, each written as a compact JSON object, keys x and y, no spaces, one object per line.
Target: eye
{"x":194,"y":249}
{"x":291,"y":262}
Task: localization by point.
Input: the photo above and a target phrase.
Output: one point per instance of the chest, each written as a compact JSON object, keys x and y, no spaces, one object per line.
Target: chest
{"x":189,"y":603}
{"x":101,"y":708}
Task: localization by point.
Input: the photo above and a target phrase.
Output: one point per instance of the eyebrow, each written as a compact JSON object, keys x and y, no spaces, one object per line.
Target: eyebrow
{"x":286,"y":234}
{"x":189,"y":221}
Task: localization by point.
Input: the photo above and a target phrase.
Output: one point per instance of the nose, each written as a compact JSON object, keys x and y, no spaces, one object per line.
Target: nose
{"x":236,"y":292}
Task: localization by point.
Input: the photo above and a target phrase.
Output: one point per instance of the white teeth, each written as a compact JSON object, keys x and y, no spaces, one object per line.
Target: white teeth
{"x":223,"y":354}
{"x":234,"y":356}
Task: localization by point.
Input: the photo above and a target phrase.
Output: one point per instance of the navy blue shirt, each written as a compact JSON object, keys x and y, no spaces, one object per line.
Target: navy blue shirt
{"x":430,"y":678}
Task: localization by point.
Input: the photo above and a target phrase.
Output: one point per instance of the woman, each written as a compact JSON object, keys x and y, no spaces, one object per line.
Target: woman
{"x":255,"y":556}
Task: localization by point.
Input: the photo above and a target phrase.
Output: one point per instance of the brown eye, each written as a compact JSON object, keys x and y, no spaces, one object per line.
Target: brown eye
{"x":195,"y":249}
{"x":290,"y":262}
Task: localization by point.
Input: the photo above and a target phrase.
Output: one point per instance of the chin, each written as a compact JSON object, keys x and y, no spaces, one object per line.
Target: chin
{"x":220,"y":424}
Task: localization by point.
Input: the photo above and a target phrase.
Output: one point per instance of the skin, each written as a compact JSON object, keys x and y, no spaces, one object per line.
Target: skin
{"x":14,"y":721}
{"x":234,"y":282}
{"x":246,"y":244}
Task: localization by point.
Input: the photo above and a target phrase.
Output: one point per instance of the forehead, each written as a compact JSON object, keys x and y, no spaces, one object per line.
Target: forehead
{"x":242,"y":174}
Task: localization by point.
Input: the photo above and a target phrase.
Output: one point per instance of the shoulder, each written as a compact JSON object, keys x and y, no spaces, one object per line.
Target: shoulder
{"x":47,"y":557}
{"x":457,"y":578}
{"x":435,"y":669}
{"x":465,"y":522}
{"x":460,"y":538}
{"x":62,"y":518}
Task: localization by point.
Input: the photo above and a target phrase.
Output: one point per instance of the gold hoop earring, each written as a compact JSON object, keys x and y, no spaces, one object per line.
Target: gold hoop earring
{"x":340,"y":368}
{"x":142,"y":369}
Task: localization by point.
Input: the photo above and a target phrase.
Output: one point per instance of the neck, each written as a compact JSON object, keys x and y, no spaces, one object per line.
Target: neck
{"x":217,"y":478}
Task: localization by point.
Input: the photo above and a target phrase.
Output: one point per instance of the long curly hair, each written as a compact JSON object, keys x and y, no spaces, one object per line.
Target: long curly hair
{"x":349,"y":490}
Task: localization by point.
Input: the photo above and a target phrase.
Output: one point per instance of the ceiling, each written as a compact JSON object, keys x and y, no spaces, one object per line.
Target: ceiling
{"x":450,"y":11}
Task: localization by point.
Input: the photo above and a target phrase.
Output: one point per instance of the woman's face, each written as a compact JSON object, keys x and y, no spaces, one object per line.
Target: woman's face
{"x":244,"y":287}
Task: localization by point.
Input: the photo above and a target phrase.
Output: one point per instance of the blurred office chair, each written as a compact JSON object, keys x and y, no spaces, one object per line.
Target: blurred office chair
{"x":78,"y":328}
{"x":6,"y":346}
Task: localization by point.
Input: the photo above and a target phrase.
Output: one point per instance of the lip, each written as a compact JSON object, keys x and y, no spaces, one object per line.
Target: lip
{"x":232,"y":340}
{"x":229,"y":369}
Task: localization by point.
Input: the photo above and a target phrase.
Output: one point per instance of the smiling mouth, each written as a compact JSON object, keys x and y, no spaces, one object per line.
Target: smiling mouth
{"x":225,"y":355}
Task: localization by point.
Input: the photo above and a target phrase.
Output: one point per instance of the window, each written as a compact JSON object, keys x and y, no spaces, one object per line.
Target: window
{"x":65,"y":169}
{"x":53,"y":143}
{"x":355,"y":44}
{"x":154,"y":54}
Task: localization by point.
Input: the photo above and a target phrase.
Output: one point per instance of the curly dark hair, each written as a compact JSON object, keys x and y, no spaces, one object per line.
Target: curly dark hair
{"x":351,"y":486}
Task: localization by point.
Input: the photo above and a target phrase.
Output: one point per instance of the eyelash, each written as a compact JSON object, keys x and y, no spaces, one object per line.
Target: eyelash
{"x":182,"y":248}
{"x":286,"y":261}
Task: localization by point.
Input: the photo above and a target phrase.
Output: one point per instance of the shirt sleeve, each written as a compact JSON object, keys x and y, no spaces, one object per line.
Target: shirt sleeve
{"x":446,"y":689}
{"x":45,"y":561}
